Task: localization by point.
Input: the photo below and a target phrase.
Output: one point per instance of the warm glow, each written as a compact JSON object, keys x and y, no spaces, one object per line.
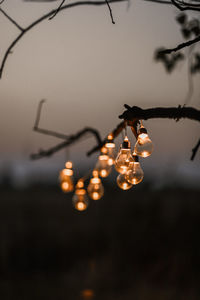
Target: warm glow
{"x":95,"y":180}
{"x":95,"y":188}
{"x":81,"y":206}
{"x":110,"y":145}
{"x":123,"y":160}
{"x":67,"y":185}
{"x":123,"y":183}
{"x":87,"y":294}
{"x":95,"y":173}
{"x":103,"y":157}
{"x":110,"y":161}
{"x":135,"y":173}
{"x":80,"y":184}
{"x":80,"y":192}
{"x":104,"y":150}
{"x":95,"y":196}
{"x":102,"y":166}
{"x":68,"y":165}
{"x":66,"y":172}
{"x":145,"y":154}
{"x":103,"y":173}
{"x":143,"y":136}
{"x":110,"y":137}
{"x":64,"y":186}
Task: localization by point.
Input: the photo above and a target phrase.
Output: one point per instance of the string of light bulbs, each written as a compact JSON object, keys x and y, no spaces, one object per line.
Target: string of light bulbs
{"x":126,"y":163}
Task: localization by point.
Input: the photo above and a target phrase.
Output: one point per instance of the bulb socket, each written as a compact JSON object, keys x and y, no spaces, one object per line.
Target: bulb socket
{"x":135,"y":158}
{"x":126,"y":144}
{"x":142,"y":130}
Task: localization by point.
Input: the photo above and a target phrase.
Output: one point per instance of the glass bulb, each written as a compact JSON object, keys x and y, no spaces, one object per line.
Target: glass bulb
{"x":110,"y":146}
{"x":80,"y":199}
{"x":123,"y":183}
{"x":67,"y":186}
{"x":143,"y":146}
{"x":102,"y":165}
{"x":124,"y":157}
{"x":135,"y":173}
{"x":95,"y":188}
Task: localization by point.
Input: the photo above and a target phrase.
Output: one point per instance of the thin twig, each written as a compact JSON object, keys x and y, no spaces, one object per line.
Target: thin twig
{"x":185,"y":7}
{"x":57,"y":11}
{"x":45,"y":131}
{"x":181,"y":46}
{"x":110,"y":10}
{"x":190,"y":78}
{"x":11,"y":19}
{"x":44,"y":17}
{"x":194,"y":150}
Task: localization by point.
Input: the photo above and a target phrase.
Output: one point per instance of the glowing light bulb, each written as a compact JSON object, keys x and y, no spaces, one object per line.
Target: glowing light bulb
{"x":143,"y":146}
{"x":67,"y":186}
{"x":80,"y":199}
{"x":123,"y":183}
{"x":95,"y":188}
{"x":134,"y":174}
{"x":110,"y":146}
{"x":102,"y":165}
{"x":124,"y":157}
{"x":66,"y":178}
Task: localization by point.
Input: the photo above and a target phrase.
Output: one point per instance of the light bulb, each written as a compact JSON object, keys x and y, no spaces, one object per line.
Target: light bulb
{"x":67,"y":186}
{"x":124,"y":157}
{"x":95,"y":188}
{"x":143,"y":146}
{"x":134,"y":174}
{"x":110,"y":146}
{"x":102,"y":165}
{"x":66,"y":178}
{"x":123,"y":183}
{"x":80,"y":199}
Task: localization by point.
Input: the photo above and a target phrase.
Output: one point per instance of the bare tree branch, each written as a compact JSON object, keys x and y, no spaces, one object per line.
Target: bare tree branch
{"x":71,"y":140}
{"x":179,"y":112}
{"x":131,"y":117}
{"x":44,"y":17}
{"x":135,"y":112}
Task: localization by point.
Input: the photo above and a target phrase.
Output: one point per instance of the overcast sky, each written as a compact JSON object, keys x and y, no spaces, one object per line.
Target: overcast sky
{"x":87,"y":68}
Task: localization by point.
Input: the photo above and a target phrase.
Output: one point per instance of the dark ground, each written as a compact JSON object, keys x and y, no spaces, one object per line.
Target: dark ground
{"x":140,"y":244}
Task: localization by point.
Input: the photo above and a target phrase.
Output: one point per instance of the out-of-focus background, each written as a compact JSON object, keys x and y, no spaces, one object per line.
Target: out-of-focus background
{"x":140,"y":244}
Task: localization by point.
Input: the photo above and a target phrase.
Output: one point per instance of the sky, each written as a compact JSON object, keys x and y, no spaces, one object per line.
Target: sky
{"x":87,"y":69}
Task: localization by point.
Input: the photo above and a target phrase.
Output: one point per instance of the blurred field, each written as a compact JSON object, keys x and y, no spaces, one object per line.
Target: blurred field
{"x":140,"y":244}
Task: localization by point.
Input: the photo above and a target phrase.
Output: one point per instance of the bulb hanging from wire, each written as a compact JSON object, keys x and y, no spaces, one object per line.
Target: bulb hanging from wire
{"x":95,"y":188}
{"x":123,"y":183}
{"x":103,"y":166}
{"x":80,"y":199}
{"x":124,"y":157}
{"x":66,"y":178}
{"x":110,"y":146}
{"x":143,"y":146}
{"x":134,"y":174}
